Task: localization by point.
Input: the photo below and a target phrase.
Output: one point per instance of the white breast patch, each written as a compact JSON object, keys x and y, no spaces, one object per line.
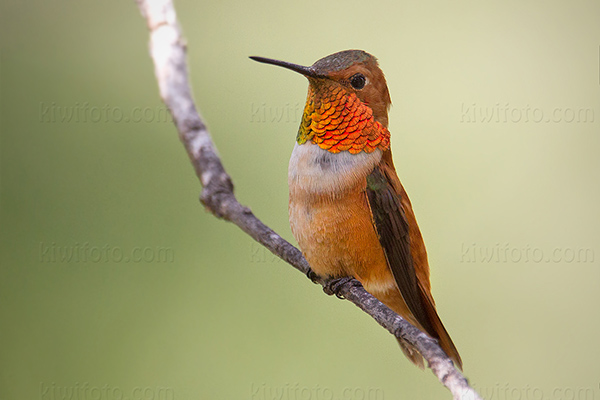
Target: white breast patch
{"x":317,"y":171}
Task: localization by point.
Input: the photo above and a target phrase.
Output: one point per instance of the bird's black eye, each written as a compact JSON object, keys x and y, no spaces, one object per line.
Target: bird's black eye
{"x":358,"y":81}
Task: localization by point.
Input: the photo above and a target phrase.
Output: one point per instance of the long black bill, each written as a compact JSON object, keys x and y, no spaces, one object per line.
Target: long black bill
{"x":306,"y":71}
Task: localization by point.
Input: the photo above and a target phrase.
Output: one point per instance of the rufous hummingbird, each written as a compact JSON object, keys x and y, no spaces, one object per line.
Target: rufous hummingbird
{"x":347,"y":208}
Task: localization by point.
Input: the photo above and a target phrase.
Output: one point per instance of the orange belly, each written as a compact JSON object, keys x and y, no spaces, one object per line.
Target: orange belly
{"x":338,"y":239}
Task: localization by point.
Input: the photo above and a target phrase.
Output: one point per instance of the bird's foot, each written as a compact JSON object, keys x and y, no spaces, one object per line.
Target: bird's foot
{"x":310,"y":274}
{"x":333,"y":286}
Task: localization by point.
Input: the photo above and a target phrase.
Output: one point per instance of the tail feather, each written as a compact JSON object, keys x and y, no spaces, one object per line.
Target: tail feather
{"x":431,"y":325}
{"x":440,"y":332}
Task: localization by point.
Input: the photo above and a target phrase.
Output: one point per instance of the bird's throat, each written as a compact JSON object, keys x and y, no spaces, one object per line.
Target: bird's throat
{"x":337,"y":120}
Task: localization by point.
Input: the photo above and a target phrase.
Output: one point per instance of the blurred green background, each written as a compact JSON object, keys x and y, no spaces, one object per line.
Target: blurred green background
{"x":115,"y":283}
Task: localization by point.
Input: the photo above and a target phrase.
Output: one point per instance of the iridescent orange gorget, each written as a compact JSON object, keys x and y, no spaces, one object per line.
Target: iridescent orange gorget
{"x":338,"y":120}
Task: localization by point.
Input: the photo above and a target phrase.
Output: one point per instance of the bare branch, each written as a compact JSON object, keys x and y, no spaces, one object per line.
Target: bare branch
{"x":168,"y":51}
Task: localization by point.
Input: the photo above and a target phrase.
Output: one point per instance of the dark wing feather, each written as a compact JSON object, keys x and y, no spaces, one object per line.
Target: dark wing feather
{"x":390,"y":220}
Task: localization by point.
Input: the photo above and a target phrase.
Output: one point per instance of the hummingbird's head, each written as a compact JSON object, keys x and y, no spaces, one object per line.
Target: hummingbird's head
{"x":347,"y":104}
